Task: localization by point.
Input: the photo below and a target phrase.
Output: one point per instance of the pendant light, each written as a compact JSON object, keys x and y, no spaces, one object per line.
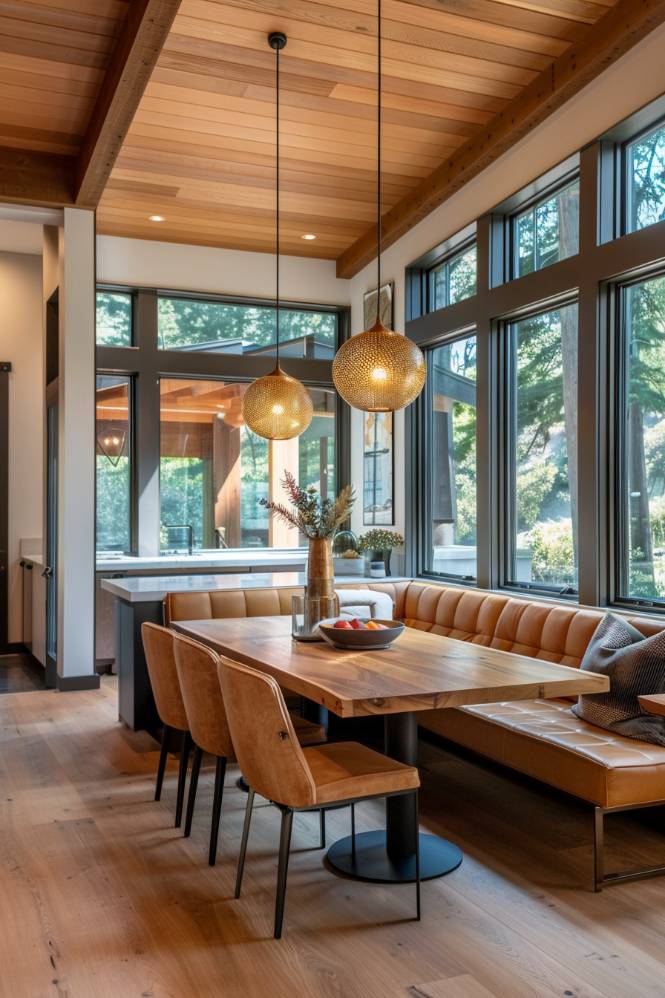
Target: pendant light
{"x":379,"y":370}
{"x":277,"y":406}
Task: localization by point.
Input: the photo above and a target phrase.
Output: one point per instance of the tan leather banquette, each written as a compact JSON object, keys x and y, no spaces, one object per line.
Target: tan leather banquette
{"x":541,"y":738}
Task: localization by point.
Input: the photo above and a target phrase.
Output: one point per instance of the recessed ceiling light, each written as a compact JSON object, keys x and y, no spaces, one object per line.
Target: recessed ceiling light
{"x":308,"y":236}
{"x":156,"y":218}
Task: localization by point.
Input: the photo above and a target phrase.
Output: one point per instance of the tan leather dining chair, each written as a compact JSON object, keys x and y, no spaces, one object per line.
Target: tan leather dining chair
{"x":197,"y":668}
{"x":159,"y":655}
{"x":204,"y":706}
{"x":295,"y":778}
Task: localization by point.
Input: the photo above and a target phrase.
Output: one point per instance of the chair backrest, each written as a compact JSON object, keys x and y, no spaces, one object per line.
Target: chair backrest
{"x":202,"y":695}
{"x":265,"y":743}
{"x":160,"y":658}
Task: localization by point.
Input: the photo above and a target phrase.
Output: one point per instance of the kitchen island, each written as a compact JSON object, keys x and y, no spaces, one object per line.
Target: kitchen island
{"x":141,"y":599}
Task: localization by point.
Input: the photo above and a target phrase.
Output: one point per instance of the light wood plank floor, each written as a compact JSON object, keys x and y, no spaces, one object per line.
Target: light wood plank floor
{"x":100,"y":897}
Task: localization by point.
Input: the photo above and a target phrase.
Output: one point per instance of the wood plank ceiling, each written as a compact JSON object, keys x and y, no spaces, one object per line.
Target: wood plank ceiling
{"x":53,"y":56}
{"x":200,"y":151}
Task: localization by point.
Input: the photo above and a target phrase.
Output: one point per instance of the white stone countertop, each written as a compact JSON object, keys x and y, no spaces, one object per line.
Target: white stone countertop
{"x":149,"y":589}
{"x":239,"y":558}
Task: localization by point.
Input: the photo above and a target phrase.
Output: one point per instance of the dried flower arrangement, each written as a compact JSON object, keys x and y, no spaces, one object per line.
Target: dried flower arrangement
{"x":311,"y":515}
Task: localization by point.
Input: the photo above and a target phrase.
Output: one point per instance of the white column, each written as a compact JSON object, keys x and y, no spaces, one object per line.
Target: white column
{"x":76,"y":442}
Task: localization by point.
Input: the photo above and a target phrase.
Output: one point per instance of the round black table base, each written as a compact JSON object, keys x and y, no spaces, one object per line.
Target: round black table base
{"x":437,"y":857}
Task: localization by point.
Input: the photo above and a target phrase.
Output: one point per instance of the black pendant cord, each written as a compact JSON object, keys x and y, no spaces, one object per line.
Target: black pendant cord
{"x":277,"y":50}
{"x":378,"y":167}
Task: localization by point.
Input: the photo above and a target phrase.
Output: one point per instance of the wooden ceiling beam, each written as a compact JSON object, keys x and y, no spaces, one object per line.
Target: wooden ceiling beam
{"x":613,"y":35}
{"x":133,"y":59}
{"x":36,"y":178}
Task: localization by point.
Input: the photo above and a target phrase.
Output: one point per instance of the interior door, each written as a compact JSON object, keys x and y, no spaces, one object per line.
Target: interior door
{"x":5,"y":369}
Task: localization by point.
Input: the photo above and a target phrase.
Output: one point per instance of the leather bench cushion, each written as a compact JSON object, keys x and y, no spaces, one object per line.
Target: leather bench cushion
{"x":545,"y":740}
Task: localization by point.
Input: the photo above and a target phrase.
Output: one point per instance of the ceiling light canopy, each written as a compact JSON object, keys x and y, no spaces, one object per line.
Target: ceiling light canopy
{"x":277,"y":406}
{"x":309,"y":236}
{"x":379,"y":370}
{"x":156,"y":218}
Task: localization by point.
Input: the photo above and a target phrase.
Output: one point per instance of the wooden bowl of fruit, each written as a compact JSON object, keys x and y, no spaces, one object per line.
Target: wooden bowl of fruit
{"x":354,"y":634}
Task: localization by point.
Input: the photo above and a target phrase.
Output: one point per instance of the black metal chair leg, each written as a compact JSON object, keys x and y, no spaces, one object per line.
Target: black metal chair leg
{"x":220,"y":771}
{"x":193,"y":786}
{"x":322,"y":828}
{"x":353,"y":832}
{"x":416,"y":817}
{"x":284,"y":849}
{"x":243,"y":841}
{"x":163,"y":755}
{"x":182,"y":776}
{"x":598,"y":849}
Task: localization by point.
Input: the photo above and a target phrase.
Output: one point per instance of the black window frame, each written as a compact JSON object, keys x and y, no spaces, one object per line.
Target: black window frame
{"x":557,"y":186}
{"x":146,"y":363}
{"x":507,"y":443}
{"x":425,"y":537}
{"x":459,"y":250}
{"x":623,"y":185}
{"x":607,"y":258}
{"x":617,"y":390}
{"x":131,"y":449}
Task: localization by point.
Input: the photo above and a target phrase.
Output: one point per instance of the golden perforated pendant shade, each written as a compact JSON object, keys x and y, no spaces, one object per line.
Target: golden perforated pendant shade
{"x":379,"y":370}
{"x":277,"y":406}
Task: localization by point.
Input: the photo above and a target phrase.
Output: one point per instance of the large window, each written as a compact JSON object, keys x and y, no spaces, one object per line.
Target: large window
{"x":642,"y":472}
{"x":214,"y":471}
{"x":645,"y":180}
{"x":541,"y":435}
{"x":113,"y":447}
{"x":222,"y":327}
{"x":114,"y":318}
{"x":451,"y":546}
{"x":546,"y":232}
{"x":452,"y":280}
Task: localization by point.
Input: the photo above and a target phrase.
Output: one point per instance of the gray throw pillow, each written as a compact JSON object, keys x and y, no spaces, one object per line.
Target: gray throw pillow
{"x":635,"y":666}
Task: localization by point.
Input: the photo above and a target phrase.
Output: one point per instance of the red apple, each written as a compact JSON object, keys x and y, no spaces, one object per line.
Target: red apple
{"x":343,"y":624}
{"x":357,"y":625}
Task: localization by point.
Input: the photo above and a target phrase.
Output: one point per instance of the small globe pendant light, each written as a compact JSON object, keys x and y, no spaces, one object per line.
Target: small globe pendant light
{"x":379,"y":370}
{"x":277,"y":406}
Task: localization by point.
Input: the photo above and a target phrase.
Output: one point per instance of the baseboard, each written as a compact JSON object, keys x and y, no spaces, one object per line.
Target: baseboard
{"x":67,"y":684}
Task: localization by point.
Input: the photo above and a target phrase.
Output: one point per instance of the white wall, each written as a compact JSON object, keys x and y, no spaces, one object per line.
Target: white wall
{"x":76,"y":447}
{"x":627,"y":85}
{"x":21,"y":343}
{"x":173,"y":266}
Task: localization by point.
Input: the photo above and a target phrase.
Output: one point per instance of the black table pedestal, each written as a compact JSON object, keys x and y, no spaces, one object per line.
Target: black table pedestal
{"x":389,"y":857}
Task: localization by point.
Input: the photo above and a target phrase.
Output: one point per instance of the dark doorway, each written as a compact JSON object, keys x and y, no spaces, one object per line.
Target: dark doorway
{"x":5,"y":370}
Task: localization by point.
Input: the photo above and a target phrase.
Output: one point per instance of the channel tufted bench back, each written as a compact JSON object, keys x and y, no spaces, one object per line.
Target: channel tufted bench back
{"x":555,"y":633}
{"x":540,"y":630}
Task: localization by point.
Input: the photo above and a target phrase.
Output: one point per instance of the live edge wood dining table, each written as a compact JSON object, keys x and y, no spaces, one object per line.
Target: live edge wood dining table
{"x":420,"y":671}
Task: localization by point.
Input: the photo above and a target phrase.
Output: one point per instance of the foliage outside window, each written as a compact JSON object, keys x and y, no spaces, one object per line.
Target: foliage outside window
{"x":453,"y":280}
{"x":114,"y":319}
{"x":221,"y":327}
{"x":543,"y":450}
{"x":452,"y":373}
{"x":214,"y":471}
{"x":643,"y":428}
{"x":113,"y":460}
{"x":645,"y":161}
{"x":547,"y":232}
